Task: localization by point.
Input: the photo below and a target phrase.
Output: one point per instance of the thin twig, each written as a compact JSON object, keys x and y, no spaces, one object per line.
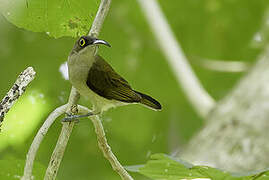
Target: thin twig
{"x":108,"y":154}
{"x":197,"y":95}
{"x":73,"y":99}
{"x":16,"y":91}
{"x":104,"y":146}
{"x":41,"y":134}
{"x":38,"y":139}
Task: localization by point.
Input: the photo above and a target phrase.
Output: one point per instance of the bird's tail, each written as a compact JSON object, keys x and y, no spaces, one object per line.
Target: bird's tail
{"x":149,"y":101}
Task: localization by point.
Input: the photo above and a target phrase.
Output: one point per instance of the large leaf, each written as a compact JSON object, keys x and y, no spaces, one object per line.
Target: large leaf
{"x":163,"y":167}
{"x":55,"y":17}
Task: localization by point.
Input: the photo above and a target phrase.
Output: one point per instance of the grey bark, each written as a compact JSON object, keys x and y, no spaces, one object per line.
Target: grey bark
{"x":235,"y":137}
{"x":16,"y":91}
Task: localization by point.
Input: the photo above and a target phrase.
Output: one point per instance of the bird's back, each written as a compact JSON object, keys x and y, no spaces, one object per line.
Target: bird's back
{"x":103,"y":80}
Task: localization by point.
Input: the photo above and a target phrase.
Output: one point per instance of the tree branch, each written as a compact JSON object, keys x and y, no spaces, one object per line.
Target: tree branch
{"x":16,"y":91}
{"x":197,"y":95}
{"x":38,"y":139}
{"x":66,"y":131}
{"x":41,"y":134}
{"x":71,"y":108}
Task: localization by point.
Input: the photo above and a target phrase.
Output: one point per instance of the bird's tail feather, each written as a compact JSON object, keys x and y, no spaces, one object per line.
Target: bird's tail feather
{"x":149,"y":101}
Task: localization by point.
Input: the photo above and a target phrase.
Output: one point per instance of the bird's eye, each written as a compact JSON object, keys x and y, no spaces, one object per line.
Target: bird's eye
{"x":82,"y":42}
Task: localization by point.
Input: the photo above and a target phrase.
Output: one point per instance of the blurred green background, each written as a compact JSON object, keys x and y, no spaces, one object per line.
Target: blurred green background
{"x":206,"y":29}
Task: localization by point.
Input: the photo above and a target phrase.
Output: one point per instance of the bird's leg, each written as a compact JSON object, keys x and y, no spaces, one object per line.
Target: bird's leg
{"x":75,"y":118}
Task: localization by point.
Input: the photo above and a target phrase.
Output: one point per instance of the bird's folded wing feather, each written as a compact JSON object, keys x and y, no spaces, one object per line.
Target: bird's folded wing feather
{"x":103,"y":80}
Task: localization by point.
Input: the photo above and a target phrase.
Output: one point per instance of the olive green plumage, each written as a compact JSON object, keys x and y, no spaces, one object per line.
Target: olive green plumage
{"x":103,"y":80}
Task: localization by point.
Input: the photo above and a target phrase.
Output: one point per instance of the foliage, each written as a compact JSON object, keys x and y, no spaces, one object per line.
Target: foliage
{"x":56,"y":18}
{"x":12,"y":169}
{"x":165,"y":167}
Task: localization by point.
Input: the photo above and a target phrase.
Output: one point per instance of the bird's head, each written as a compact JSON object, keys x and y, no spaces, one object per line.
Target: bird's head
{"x":87,"y":44}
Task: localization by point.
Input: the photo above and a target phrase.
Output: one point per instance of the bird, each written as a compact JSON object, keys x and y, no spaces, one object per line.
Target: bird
{"x":95,"y":79}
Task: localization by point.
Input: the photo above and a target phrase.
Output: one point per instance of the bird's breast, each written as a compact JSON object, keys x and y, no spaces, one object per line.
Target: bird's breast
{"x":78,"y":69}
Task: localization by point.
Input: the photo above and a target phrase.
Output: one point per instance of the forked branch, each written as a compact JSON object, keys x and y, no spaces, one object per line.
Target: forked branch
{"x":67,"y":128}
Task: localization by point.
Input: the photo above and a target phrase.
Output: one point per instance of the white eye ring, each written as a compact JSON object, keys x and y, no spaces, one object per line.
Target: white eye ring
{"x":82,"y":42}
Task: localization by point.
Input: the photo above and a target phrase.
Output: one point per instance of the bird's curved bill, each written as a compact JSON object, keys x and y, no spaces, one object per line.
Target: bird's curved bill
{"x":99,"y":41}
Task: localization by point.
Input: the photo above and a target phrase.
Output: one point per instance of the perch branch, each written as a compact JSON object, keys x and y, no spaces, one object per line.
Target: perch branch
{"x":38,"y":139}
{"x":66,"y":131}
{"x":73,"y":99}
{"x":16,"y":91}
{"x":197,"y":95}
{"x":40,"y":135}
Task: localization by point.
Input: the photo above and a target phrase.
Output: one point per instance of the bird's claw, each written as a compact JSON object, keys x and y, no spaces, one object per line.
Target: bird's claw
{"x":74,"y":118}
{"x":70,"y":118}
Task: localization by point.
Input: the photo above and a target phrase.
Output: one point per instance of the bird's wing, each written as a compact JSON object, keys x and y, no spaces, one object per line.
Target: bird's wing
{"x":103,"y":80}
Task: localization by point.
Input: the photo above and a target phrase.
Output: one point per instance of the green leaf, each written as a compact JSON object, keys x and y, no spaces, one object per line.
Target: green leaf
{"x":55,"y":17}
{"x":12,"y":169}
{"x":164,"y":167}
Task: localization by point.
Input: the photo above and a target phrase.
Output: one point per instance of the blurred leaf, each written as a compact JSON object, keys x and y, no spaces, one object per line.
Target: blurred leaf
{"x":165,"y":167}
{"x":22,"y":119}
{"x":12,"y":169}
{"x":56,"y":18}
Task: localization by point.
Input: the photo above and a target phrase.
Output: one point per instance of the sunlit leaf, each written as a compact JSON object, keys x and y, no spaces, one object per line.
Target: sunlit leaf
{"x":56,"y":18}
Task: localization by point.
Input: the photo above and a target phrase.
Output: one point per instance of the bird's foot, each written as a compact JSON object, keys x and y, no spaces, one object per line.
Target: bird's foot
{"x":75,"y":118}
{"x":70,"y":118}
